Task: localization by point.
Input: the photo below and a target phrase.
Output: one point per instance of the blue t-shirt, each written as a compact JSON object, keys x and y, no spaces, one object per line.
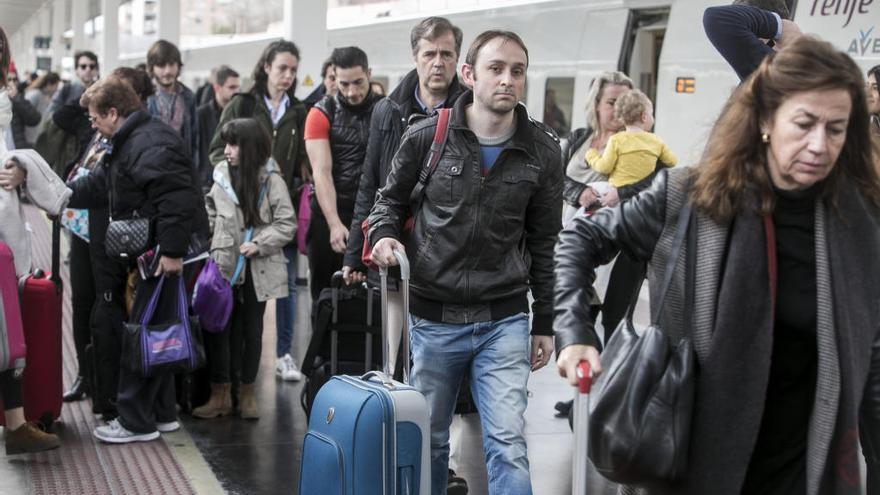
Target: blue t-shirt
{"x":488,"y":156}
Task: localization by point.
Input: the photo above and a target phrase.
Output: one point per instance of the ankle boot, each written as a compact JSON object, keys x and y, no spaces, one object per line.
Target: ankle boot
{"x":248,"y":402}
{"x":78,"y":391}
{"x":29,"y":438}
{"x":219,"y":404}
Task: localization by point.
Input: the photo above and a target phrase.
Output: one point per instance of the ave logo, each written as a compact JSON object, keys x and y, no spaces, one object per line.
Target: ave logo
{"x":864,"y":44}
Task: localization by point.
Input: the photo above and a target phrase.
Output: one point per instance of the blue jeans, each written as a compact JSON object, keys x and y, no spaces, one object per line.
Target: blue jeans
{"x":285,"y":309}
{"x":497,"y":355}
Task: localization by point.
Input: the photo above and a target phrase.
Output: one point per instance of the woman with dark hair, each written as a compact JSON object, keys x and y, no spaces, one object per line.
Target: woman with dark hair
{"x":39,"y":93}
{"x":775,"y":285}
{"x":874,"y":98}
{"x":271,"y":103}
{"x":20,"y":436}
{"x":252,"y":218}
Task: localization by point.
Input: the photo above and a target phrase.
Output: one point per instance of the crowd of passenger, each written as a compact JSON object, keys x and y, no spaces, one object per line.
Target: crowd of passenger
{"x":786,"y":191}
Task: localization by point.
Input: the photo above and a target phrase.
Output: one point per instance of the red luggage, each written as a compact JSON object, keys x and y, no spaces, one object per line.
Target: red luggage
{"x":12,"y":348}
{"x":41,"y":318}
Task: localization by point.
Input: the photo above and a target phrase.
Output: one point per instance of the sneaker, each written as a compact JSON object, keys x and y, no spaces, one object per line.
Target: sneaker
{"x":167,"y":427}
{"x":287,"y":370}
{"x":114,"y":432}
{"x":28,"y":438}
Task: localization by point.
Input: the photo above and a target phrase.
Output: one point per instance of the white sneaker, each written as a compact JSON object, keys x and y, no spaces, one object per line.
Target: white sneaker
{"x":287,"y":370}
{"x":113,"y":432}
{"x":167,"y":427}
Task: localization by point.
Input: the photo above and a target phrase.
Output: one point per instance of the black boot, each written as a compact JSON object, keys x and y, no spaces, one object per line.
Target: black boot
{"x":456,"y":485}
{"x":78,"y":391}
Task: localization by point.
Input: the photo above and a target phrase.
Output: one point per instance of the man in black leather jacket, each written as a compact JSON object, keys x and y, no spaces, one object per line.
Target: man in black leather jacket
{"x":483,"y":236}
{"x":336,"y":133}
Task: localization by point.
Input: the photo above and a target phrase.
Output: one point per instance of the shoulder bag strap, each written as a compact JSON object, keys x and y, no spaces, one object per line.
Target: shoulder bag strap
{"x":248,"y":235}
{"x":441,"y":132}
{"x":681,"y":228}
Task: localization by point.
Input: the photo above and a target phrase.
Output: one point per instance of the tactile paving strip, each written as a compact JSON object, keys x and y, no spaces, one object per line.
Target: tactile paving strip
{"x":84,"y":465}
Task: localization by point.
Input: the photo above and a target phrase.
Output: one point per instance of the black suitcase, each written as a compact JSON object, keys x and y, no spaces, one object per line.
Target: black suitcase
{"x":346,"y":336}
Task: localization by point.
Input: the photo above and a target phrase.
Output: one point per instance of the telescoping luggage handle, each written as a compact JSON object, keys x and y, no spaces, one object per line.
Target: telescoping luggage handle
{"x":404,"y":338}
{"x":580,"y":461}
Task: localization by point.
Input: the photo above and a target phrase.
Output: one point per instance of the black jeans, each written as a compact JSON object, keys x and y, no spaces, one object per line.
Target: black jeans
{"x":626,"y":276}
{"x":144,"y":401}
{"x":236,"y":351}
{"x":10,"y":390}
{"x":323,"y":261}
{"x":83,"y":295}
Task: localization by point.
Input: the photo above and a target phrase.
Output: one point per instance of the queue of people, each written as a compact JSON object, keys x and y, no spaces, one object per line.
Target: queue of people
{"x":782,"y":203}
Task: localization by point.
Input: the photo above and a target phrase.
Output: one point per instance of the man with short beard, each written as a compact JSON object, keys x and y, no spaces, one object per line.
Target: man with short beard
{"x":482,"y":238}
{"x":173,"y":103}
{"x":336,"y":133}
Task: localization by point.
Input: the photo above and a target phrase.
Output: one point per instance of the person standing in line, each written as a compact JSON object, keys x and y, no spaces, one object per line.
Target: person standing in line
{"x":432,"y":84}
{"x":226,"y":85}
{"x":86,"y":70}
{"x":272,"y":103}
{"x":482,"y":238}
{"x":874,"y":98}
{"x":248,"y":194}
{"x":337,"y":130}
{"x":40,"y":93}
{"x":327,"y":86}
{"x":173,"y":103}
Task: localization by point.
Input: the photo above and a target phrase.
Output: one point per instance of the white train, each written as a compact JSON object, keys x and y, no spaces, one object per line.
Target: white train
{"x":659,"y":43}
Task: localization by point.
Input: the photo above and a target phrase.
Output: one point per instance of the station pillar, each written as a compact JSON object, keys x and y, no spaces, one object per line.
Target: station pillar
{"x":305,"y":23}
{"x":110,"y":36}
{"x":79,"y":16}
{"x":169,"y":21}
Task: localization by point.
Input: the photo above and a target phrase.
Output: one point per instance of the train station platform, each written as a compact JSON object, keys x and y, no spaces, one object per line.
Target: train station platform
{"x":230,"y":455}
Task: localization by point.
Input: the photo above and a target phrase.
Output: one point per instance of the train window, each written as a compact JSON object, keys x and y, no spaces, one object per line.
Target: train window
{"x":642,"y":43}
{"x":558,"y":103}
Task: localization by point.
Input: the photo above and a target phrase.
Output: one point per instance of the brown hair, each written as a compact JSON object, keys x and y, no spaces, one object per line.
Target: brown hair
{"x":45,"y":81}
{"x":432,"y":28}
{"x":733,"y":169}
{"x":630,"y":106}
{"x":111,"y":92}
{"x":138,"y":79}
{"x":487,"y":36}
{"x":163,"y":52}
{"x":5,"y":56}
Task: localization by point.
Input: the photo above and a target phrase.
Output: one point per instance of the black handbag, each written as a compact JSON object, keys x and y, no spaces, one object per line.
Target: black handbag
{"x":128,"y":238}
{"x":640,"y":414}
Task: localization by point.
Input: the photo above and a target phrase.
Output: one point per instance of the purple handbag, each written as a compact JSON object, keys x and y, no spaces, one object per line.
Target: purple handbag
{"x":149,"y":350}
{"x":212,"y":298}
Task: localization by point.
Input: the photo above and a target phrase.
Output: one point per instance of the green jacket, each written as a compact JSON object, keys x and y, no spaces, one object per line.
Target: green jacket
{"x":288,"y":146}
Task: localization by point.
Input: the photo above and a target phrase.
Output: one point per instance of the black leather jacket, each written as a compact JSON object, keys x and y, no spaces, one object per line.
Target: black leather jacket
{"x":391,"y":116}
{"x":479,"y":243}
{"x":349,"y":129}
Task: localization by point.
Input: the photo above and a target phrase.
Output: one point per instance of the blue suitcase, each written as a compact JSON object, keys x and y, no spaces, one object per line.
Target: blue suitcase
{"x":369,"y":435}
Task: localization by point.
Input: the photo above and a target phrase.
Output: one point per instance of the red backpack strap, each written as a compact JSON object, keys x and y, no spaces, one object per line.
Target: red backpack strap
{"x":440,"y":134}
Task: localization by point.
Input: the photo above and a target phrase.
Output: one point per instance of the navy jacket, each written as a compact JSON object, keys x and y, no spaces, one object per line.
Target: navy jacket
{"x":736,"y":32}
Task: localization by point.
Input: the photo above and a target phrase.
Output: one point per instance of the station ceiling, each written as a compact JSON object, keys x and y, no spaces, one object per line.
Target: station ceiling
{"x":14,"y":13}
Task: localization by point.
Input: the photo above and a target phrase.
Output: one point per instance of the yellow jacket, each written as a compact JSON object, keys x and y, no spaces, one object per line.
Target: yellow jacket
{"x":630,"y":157}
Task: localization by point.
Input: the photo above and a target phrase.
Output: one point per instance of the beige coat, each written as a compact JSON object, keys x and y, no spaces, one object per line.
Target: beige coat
{"x":269,"y":267}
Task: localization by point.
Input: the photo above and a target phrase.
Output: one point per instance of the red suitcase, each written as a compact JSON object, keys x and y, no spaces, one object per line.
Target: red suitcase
{"x":41,"y":318}
{"x":12,"y":348}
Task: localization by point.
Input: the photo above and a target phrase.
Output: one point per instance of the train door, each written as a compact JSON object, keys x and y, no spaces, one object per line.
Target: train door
{"x":642,"y":44}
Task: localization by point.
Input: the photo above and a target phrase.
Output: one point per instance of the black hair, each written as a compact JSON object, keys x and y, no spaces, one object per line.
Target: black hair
{"x":224,"y":72}
{"x":255,"y":148}
{"x":5,"y":56}
{"x":349,"y":57}
{"x":261,"y":79}
{"x":85,"y":53}
{"x":432,"y":28}
{"x":325,"y":67}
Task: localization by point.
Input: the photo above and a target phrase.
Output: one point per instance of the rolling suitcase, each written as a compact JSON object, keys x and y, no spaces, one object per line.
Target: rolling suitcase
{"x":12,"y":346}
{"x":369,"y":435}
{"x":41,"y":319}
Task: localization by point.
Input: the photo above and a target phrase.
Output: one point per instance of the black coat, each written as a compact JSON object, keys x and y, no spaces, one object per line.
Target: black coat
{"x":149,"y":173}
{"x":23,"y":115}
{"x":478,"y":244}
{"x":391,"y":116}
{"x":209,"y":117}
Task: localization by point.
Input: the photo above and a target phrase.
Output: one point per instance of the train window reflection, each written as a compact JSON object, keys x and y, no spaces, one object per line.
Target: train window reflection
{"x":558,"y":102}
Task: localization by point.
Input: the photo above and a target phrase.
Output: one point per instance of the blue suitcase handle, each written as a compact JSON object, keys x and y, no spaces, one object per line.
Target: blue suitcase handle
{"x":382,"y":377}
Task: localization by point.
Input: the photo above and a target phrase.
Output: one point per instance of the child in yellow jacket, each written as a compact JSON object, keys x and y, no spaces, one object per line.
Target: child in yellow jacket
{"x":632,"y":155}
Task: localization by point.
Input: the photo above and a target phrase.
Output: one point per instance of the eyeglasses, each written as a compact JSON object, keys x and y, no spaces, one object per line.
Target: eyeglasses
{"x":87,"y":66}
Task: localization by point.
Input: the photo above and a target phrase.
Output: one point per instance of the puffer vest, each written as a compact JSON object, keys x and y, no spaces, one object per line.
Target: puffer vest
{"x":349,"y":130}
